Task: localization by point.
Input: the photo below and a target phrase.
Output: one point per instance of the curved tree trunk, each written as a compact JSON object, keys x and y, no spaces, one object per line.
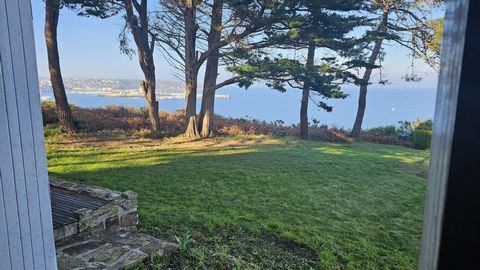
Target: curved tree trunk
{"x":145,"y":49}
{"x":65,"y":117}
{"x":191,"y":70}
{"x":306,"y":94}
{"x":207,"y":111}
{"x":148,"y":87}
{"x":362,"y":99}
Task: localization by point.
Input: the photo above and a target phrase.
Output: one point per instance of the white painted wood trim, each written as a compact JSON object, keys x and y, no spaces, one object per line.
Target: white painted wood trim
{"x":446,"y":107}
{"x":25,"y":197}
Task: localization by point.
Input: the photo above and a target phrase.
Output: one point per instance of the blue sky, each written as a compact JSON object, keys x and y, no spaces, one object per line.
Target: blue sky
{"x":89,"y":48}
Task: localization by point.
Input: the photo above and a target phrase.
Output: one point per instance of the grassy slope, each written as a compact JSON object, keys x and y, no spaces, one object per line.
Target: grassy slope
{"x":271,"y":203}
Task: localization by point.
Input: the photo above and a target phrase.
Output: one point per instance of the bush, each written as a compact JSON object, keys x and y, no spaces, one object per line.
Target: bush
{"x":405,"y":130}
{"x":49,"y":112}
{"x":325,"y":134}
{"x":386,"y":130}
{"x":130,"y":119}
{"x":422,"y":138}
{"x":383,"y":135}
{"x":425,"y":125}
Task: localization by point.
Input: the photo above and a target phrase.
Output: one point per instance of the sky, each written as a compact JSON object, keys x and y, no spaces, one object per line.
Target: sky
{"x":89,"y":48}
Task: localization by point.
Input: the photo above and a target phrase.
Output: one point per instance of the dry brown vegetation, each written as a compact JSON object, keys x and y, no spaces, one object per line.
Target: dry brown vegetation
{"x":134,"y":121}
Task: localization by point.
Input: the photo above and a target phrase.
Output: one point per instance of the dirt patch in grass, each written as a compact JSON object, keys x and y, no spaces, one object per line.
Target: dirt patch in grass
{"x":298,"y":249}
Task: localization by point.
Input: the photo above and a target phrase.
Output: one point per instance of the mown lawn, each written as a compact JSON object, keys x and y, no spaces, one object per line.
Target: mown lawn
{"x":263,"y":203}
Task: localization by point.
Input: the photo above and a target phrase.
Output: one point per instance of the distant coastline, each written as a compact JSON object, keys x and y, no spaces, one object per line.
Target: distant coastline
{"x":135,"y":94}
{"x":119,"y":88}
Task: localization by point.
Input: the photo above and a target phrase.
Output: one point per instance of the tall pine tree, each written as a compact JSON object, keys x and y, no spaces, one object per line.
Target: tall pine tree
{"x":313,"y":26}
{"x":405,"y":23}
{"x":98,"y":8}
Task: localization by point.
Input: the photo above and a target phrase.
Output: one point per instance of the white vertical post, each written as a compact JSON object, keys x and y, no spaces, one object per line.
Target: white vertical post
{"x":449,"y":87}
{"x":25,"y":216}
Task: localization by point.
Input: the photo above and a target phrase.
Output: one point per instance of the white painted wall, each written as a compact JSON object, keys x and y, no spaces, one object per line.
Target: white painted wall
{"x":26,"y":233}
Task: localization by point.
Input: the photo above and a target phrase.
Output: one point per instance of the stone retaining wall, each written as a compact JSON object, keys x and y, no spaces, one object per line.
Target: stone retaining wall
{"x":120,"y":213}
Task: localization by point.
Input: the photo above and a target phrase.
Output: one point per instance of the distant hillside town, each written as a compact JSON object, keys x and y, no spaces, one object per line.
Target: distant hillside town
{"x":118,"y":87}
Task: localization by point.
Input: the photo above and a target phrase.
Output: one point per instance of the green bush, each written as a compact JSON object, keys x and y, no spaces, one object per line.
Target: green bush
{"x":405,"y":130}
{"x":425,"y":125}
{"x":422,"y":138}
{"x":386,"y":130}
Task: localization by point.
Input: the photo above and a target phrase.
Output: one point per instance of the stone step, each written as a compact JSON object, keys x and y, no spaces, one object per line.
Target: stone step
{"x":109,"y":250}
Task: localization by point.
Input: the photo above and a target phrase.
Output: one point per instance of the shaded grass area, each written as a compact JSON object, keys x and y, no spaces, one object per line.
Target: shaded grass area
{"x":263,"y":203}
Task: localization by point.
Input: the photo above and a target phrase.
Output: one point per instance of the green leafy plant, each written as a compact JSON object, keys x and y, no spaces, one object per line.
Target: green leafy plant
{"x":185,"y":243}
{"x":422,"y":138}
{"x":420,"y":124}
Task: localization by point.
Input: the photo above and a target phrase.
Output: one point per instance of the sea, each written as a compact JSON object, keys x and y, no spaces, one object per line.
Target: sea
{"x":385,"y":106}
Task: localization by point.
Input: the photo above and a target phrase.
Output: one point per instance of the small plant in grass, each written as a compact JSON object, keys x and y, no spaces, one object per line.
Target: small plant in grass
{"x":185,"y":243}
{"x":85,"y":229}
{"x":52,"y":130}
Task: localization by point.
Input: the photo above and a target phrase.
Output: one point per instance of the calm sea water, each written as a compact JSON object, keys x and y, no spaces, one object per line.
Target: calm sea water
{"x":384,"y":106}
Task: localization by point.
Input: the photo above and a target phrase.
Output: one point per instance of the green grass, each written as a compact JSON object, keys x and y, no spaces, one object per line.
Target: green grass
{"x":260,"y":203}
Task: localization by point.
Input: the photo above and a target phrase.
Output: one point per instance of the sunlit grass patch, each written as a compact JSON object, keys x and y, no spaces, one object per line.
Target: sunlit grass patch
{"x":263,"y":202}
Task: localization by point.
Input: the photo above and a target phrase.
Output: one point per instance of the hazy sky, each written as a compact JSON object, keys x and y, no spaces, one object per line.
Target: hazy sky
{"x":89,"y":48}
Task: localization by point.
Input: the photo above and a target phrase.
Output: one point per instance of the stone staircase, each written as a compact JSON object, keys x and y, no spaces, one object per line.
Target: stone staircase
{"x":96,"y":228}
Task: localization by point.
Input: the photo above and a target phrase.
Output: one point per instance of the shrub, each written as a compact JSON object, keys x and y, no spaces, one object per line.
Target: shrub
{"x":383,"y":135}
{"x":130,"y":119}
{"x":386,"y":130}
{"x":231,"y":130}
{"x":420,"y":124}
{"x":323,"y":133}
{"x":49,"y":112}
{"x":405,"y":130}
{"x":422,"y":138}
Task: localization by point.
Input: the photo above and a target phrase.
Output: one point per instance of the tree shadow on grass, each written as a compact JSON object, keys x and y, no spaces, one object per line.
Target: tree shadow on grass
{"x":358,"y":203}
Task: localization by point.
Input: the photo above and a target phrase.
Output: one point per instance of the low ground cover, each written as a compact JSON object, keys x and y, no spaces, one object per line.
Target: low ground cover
{"x":257,"y":202}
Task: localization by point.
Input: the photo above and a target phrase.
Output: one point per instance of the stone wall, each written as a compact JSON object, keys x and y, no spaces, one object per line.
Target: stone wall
{"x":120,"y":213}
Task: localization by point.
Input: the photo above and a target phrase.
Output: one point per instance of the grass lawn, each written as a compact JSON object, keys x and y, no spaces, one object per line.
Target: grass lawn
{"x":263,"y":203}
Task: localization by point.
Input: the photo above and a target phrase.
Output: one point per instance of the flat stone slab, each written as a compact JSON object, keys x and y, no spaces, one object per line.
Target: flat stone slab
{"x":109,"y":250}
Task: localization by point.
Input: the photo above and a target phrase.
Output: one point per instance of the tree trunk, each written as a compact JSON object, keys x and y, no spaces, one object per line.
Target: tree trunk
{"x":362,"y":99}
{"x":191,"y":70}
{"x":207,"y":111}
{"x":148,"y":87}
{"x":306,"y":93}
{"x":145,"y":49}
{"x":191,"y":106}
{"x":65,"y":117}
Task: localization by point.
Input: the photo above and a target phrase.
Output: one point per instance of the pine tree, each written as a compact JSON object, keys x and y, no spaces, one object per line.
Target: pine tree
{"x":137,"y":23}
{"x":99,"y":8}
{"x":405,"y":23}
{"x":312,"y":25}
{"x":210,"y":32}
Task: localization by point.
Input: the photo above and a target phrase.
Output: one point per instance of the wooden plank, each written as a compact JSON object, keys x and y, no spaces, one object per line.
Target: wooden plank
{"x":32,"y":216}
{"x":5,"y":247}
{"x":23,"y":167}
{"x":37,"y":132}
{"x":443,"y":132}
{"x":459,"y":246}
{"x":9,"y":178}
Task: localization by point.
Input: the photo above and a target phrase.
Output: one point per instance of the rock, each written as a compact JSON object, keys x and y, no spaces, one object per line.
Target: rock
{"x":130,"y":219}
{"x":112,"y":223}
